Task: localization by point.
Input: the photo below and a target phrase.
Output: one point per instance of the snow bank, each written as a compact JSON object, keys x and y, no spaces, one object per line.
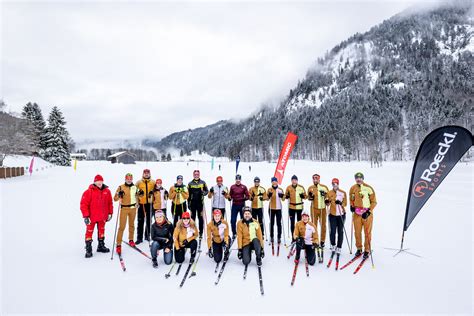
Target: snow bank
{"x":24,"y":161}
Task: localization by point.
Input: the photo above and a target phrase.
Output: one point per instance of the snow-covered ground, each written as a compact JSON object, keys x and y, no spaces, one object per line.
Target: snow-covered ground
{"x":44,"y":269}
{"x":24,"y":161}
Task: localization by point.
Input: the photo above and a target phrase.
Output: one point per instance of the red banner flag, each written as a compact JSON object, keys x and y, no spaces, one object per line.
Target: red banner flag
{"x":31,"y":165}
{"x":285,"y":153}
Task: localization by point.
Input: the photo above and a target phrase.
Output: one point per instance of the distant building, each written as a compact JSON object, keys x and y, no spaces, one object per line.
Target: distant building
{"x":124,"y":157}
{"x":79,"y":156}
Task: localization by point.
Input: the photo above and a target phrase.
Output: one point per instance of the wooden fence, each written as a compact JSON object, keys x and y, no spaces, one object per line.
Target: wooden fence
{"x":10,"y":172}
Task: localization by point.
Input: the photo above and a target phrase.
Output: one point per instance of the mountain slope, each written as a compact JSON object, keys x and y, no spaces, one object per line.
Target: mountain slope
{"x":374,"y":96}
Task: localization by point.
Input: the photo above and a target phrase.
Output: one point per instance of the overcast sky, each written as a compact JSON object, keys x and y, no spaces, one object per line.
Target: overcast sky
{"x":127,"y":70}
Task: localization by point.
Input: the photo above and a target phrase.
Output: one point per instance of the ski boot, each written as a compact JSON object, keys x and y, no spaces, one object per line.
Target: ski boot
{"x":131,"y":243}
{"x":101,"y":247}
{"x":193,"y":256}
{"x":139,"y":241}
{"x":358,"y":253}
{"x":366,"y":255}
{"x":259,"y":261}
{"x":338,"y":251}
{"x":155,"y":263}
{"x":119,"y":249}
{"x":88,"y":248}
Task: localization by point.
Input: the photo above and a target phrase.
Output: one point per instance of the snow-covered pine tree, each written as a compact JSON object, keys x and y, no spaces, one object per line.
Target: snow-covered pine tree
{"x":36,"y":125}
{"x":56,"y":139}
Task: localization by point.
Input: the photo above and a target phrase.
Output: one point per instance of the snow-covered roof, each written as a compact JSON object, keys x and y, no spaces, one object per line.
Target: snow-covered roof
{"x":78,"y":155}
{"x":117,"y":154}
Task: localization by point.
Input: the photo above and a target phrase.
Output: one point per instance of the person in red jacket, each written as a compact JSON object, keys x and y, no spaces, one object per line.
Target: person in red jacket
{"x":96,"y":208}
{"x":238,"y":194}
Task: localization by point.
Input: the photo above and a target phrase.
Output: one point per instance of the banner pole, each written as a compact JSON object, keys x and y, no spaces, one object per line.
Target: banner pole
{"x":403,"y":237}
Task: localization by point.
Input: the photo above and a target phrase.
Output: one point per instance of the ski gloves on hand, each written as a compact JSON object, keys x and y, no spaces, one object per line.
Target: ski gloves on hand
{"x":300,"y":242}
{"x":87,"y":220}
{"x":366,"y":214}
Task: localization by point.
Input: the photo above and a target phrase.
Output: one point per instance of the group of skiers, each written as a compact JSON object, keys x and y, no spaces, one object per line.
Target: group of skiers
{"x":148,"y":199}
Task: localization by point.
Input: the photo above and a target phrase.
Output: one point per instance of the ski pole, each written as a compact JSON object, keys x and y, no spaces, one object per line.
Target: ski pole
{"x":283,"y":227}
{"x":149,"y":221}
{"x":288,"y":217}
{"x":371,"y":256}
{"x":167,"y":275}
{"x":225,"y":213}
{"x":370,"y":246}
{"x":345,"y":233}
{"x":144,"y":220}
{"x":306,"y":262}
{"x":269,"y":219}
{"x":344,"y":228}
{"x":204,"y":232}
{"x":352,"y":228}
{"x":263,"y":223}
{"x":116,"y":224}
{"x":321,"y":223}
{"x":174,"y":209}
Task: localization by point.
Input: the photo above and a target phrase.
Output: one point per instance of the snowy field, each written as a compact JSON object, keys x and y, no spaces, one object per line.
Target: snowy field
{"x":44,"y":269}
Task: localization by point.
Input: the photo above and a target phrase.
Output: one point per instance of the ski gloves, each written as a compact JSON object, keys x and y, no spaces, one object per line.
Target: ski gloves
{"x":366,"y":214}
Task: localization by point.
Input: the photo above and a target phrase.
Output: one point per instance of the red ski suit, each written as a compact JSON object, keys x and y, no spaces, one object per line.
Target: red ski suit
{"x":97,"y":205}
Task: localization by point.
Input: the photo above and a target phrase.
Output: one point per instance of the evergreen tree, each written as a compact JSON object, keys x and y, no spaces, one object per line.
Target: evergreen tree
{"x":35,"y":125}
{"x":3,"y":105}
{"x":56,"y":139}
